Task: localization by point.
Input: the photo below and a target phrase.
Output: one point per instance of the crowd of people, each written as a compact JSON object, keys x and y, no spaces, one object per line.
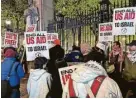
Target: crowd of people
{"x":91,"y":78}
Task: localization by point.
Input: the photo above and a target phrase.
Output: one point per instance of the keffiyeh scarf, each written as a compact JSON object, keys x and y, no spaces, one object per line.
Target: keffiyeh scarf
{"x":132,"y":56}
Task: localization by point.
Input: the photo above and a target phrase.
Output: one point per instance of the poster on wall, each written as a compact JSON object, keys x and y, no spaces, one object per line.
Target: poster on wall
{"x":65,"y":73}
{"x":50,"y":38}
{"x":124,"y":21}
{"x":11,"y":39}
{"x":31,"y":28}
{"x":36,"y":45}
{"x":105,"y":32}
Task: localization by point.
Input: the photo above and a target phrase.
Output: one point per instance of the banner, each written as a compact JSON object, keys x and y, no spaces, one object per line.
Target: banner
{"x":11,"y":39}
{"x":50,"y":38}
{"x":105,"y":32}
{"x":65,"y":74}
{"x":31,"y":28}
{"x":124,"y":21}
{"x":36,"y":45}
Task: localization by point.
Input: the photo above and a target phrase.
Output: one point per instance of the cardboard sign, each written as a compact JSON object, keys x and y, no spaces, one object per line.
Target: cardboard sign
{"x":31,"y":28}
{"x":11,"y":39}
{"x":50,"y":38}
{"x":65,"y":74}
{"x":105,"y":32}
{"x":36,"y":45}
{"x":124,"y":21}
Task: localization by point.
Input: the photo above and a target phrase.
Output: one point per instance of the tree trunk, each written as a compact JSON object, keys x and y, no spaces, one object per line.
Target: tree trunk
{"x":79,"y":36}
{"x":17,"y":25}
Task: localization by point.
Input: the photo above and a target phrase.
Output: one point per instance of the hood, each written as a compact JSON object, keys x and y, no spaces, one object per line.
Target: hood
{"x":87,"y":72}
{"x":36,"y":74}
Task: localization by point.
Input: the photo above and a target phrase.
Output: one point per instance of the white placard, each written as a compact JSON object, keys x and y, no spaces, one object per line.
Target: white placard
{"x":105,"y":32}
{"x":124,"y":21}
{"x":50,"y":38}
{"x":65,"y":74}
{"x":36,"y":45}
{"x":11,"y":39}
{"x":31,"y":28}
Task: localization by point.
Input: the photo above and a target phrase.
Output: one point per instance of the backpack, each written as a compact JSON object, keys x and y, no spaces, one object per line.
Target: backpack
{"x":94,"y":88}
{"x":6,"y":89}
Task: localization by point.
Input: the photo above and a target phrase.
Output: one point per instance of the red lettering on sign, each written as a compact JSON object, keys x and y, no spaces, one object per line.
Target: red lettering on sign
{"x":40,"y":40}
{"x":63,"y":80}
{"x":30,"y":40}
{"x":101,"y":28}
{"x":129,"y":15}
{"x":30,"y":29}
{"x":11,"y":42}
{"x":119,"y":16}
{"x":49,"y":37}
{"x":54,"y":37}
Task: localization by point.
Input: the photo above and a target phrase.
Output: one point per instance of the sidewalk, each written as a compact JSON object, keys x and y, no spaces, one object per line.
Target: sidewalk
{"x":23,"y":87}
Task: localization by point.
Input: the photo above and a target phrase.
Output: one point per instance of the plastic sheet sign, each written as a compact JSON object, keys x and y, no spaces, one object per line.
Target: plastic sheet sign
{"x":51,"y":37}
{"x":65,"y":74}
{"x":124,"y":21}
{"x":11,"y":39}
{"x":36,"y":45}
{"x":105,"y":32}
{"x":31,"y":28}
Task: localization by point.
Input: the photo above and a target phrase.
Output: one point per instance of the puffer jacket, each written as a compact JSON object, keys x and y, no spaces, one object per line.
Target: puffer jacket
{"x":83,"y":78}
{"x":16,"y":73}
{"x":39,"y":83}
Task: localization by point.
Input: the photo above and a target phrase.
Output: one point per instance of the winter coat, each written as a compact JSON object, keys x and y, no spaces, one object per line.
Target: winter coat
{"x":39,"y":84}
{"x":16,"y":74}
{"x":74,"y":56}
{"x":84,"y":76}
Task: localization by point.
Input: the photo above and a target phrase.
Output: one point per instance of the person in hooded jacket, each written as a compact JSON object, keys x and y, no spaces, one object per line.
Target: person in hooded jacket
{"x":39,"y":82}
{"x":16,"y":72}
{"x":90,"y":80}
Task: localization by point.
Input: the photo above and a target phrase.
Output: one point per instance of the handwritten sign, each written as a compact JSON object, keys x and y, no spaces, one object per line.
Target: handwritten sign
{"x":11,"y":39}
{"x":51,"y":37}
{"x":31,"y":28}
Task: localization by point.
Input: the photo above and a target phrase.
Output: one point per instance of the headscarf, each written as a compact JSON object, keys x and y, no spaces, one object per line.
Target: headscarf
{"x":10,"y":53}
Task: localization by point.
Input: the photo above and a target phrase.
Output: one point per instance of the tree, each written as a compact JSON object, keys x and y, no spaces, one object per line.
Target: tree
{"x":14,"y":10}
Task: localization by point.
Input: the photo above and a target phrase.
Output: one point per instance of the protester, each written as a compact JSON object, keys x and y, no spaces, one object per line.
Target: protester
{"x":56,"y":61}
{"x":97,"y":51}
{"x":75,"y":55}
{"x":39,"y":82}
{"x":90,"y":80}
{"x":129,"y":72}
{"x":116,"y":57}
{"x":12,"y":71}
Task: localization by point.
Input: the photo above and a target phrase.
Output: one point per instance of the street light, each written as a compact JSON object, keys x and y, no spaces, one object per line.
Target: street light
{"x":8,"y":22}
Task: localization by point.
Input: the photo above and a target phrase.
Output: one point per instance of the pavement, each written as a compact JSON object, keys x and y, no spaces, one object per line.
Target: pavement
{"x":23,"y":87}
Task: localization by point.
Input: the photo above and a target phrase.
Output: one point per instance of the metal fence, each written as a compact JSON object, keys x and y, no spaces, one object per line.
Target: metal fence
{"x":74,"y":30}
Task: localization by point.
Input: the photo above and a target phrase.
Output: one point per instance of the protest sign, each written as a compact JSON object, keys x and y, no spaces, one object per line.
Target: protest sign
{"x":50,"y":38}
{"x":36,"y":45}
{"x":11,"y":39}
{"x":124,"y":21}
{"x":65,"y":74}
{"x":105,"y":32}
{"x":31,"y":28}
{"x":73,"y":63}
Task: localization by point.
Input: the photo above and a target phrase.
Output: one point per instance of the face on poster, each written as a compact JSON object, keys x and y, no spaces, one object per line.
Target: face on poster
{"x":11,"y":39}
{"x":36,"y":45}
{"x":124,"y":21}
{"x":105,"y":32}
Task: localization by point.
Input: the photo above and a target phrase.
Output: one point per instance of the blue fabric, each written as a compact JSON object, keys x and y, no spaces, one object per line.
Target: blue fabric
{"x":74,"y":56}
{"x":15,"y":93}
{"x":16,"y":73}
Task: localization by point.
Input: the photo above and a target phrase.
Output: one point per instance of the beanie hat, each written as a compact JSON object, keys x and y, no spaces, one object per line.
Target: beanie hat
{"x":39,"y":62}
{"x":57,"y":42}
{"x":10,"y":53}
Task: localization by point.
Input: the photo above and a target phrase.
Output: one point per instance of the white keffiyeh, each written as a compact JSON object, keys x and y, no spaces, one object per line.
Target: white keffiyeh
{"x":132,"y":56}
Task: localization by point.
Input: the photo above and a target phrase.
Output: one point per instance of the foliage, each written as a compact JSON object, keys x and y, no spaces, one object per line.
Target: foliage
{"x":13,"y":10}
{"x":72,"y":7}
